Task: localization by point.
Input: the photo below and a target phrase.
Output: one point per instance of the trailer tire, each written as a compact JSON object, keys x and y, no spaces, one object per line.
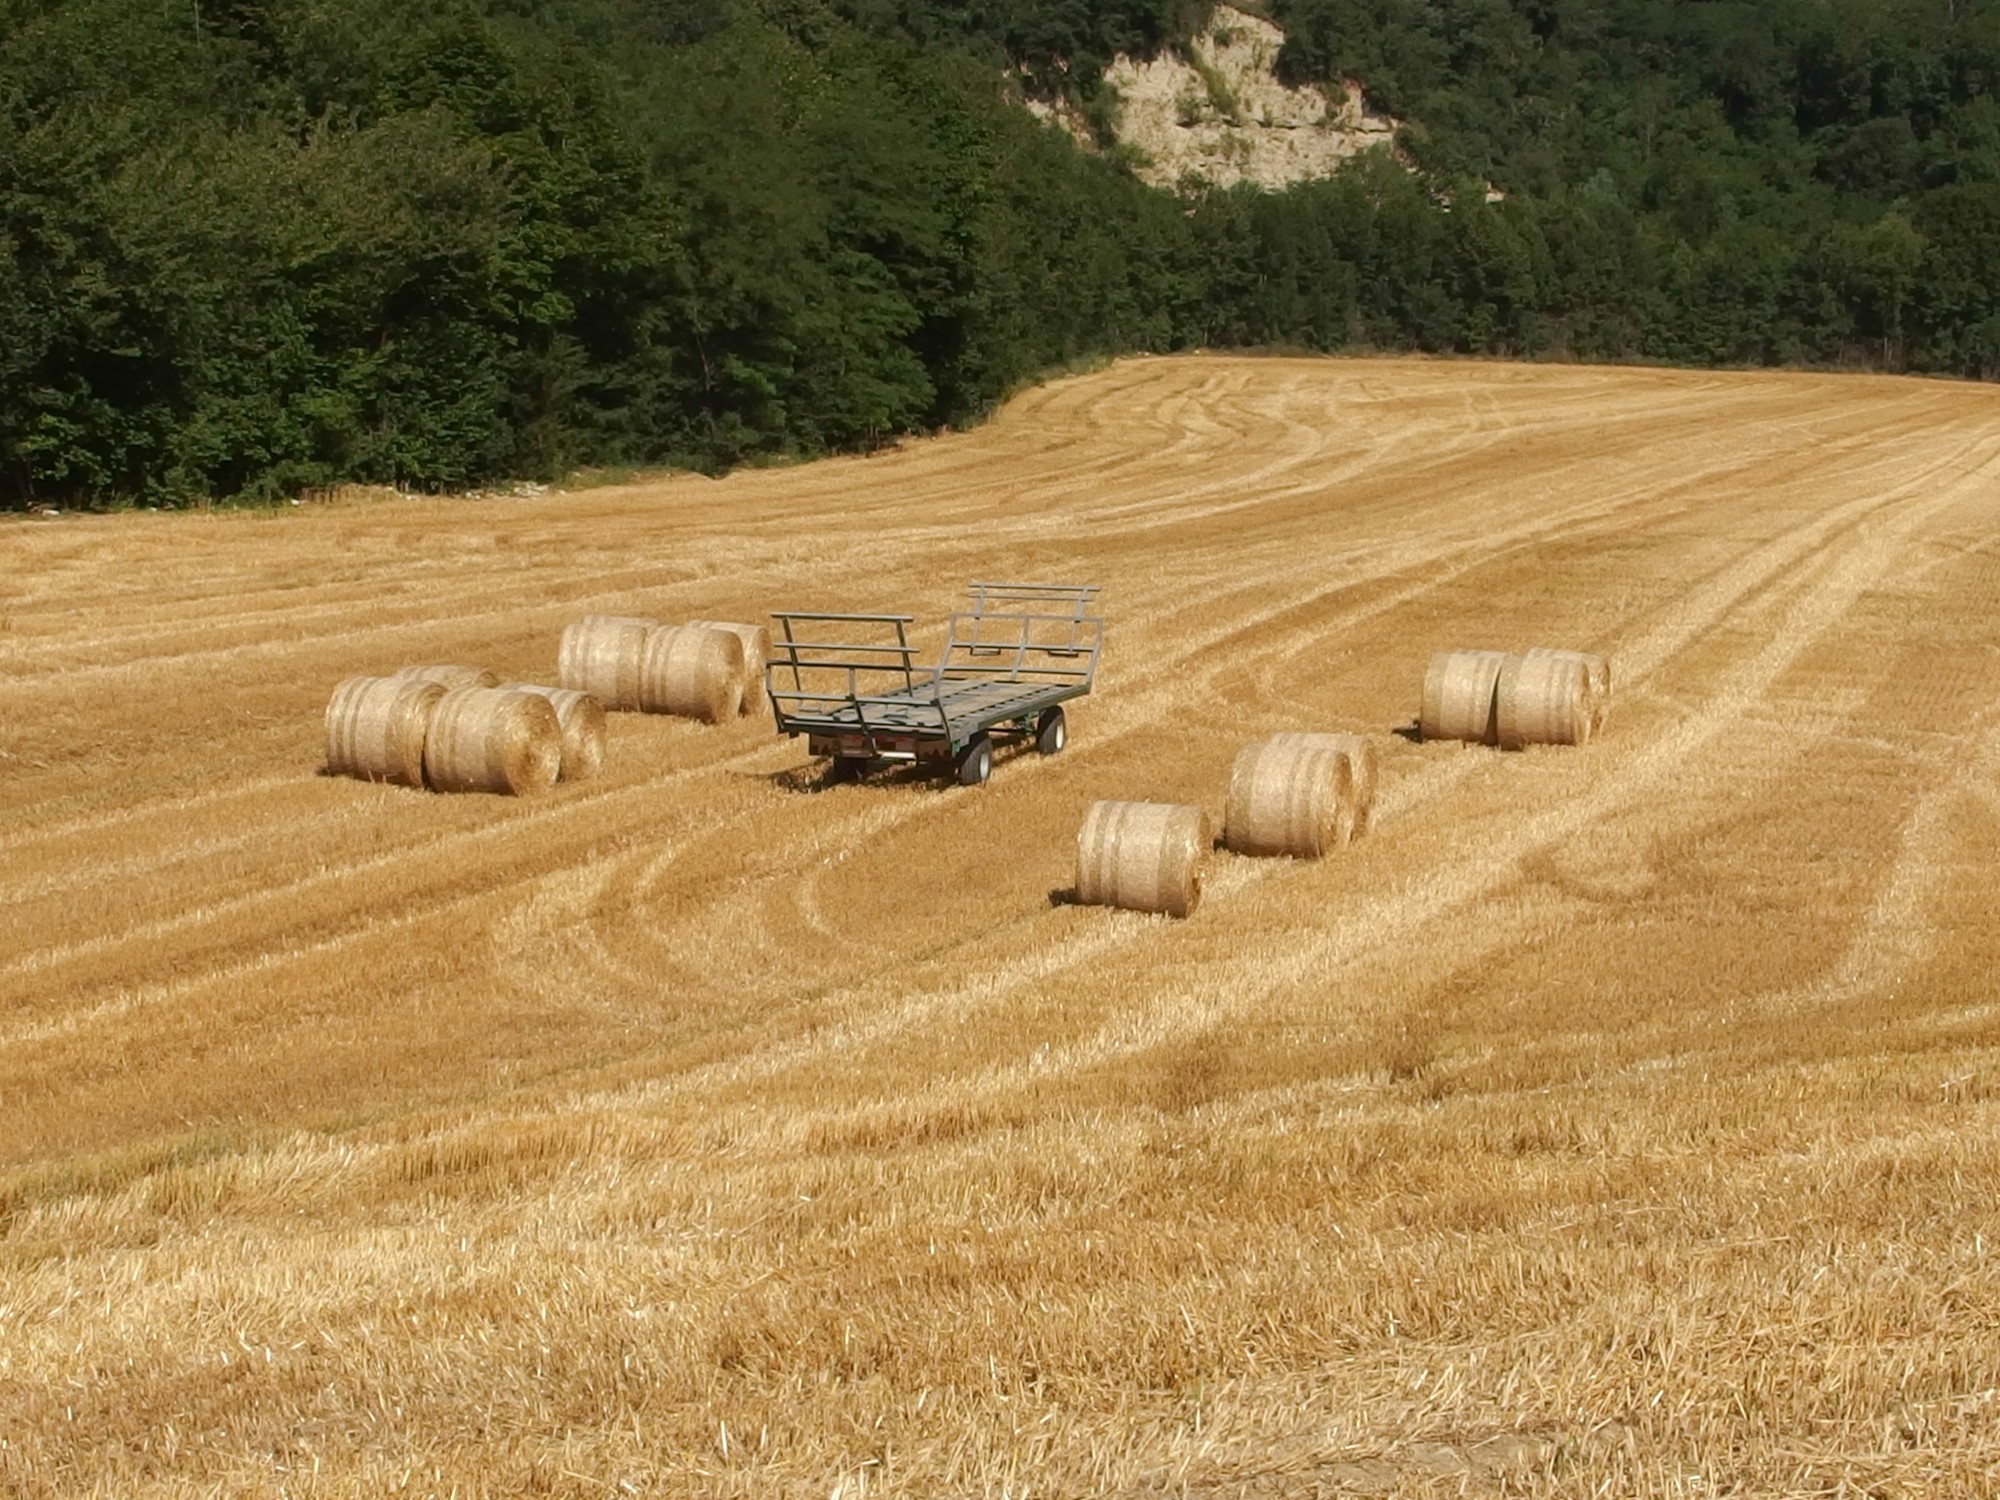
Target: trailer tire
{"x":975,"y":761}
{"x":846,"y":768}
{"x":1052,"y":733}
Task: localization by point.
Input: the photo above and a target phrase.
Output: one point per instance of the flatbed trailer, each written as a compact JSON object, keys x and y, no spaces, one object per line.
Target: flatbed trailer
{"x":851,"y":683}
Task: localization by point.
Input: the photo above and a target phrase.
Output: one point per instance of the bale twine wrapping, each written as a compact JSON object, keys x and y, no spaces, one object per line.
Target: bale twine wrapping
{"x":1459,"y":691}
{"x":1543,"y":700}
{"x":1142,"y":856}
{"x":1597,"y":681}
{"x":1363,"y":768}
{"x":582,"y":719}
{"x":452,"y":676}
{"x":693,"y":672}
{"x":375,"y":728}
{"x":493,"y":740}
{"x":756,"y":641}
{"x":603,"y":655}
{"x":1289,"y":799}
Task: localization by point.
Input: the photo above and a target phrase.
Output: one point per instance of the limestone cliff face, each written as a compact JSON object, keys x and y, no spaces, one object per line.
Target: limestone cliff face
{"x":1218,"y":114}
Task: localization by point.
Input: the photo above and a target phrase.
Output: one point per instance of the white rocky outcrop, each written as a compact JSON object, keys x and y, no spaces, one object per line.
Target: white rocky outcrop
{"x":1217,"y":113}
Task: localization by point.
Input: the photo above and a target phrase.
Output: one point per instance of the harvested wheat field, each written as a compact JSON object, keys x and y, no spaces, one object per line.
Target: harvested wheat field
{"x":1618,"y":1119}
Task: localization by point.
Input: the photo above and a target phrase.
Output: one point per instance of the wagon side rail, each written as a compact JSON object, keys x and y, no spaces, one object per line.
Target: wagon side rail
{"x":1036,"y":636}
{"x":848,"y":673}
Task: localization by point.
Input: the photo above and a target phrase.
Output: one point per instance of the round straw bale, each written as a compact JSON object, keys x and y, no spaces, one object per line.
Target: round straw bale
{"x":375,"y":728}
{"x":451,"y":676}
{"x":1288,"y":799}
{"x":756,"y":641}
{"x":1597,"y":679}
{"x":1143,"y":856}
{"x":582,"y":720}
{"x":493,"y":740}
{"x":1363,"y":768}
{"x":603,"y":655}
{"x":1543,"y":700}
{"x":1459,"y":696}
{"x":693,"y":672}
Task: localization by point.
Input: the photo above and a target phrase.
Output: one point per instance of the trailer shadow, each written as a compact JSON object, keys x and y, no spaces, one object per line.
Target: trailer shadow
{"x":822,"y":776}
{"x":811,"y":780}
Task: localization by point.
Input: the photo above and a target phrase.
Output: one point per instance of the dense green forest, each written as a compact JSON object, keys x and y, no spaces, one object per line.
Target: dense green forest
{"x":247,"y":248}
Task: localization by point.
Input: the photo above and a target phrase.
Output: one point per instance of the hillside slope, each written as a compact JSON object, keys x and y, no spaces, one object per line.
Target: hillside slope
{"x":1622,"y":1120}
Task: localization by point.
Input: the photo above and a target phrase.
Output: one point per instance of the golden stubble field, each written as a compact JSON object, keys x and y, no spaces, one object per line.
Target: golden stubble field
{"x":1622,"y":1120}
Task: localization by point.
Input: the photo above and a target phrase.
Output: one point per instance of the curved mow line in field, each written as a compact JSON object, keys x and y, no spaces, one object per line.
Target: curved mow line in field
{"x":1820,"y":599}
{"x":461,"y":846}
{"x":171,"y":809}
{"x":917,"y":476}
{"x":1893,"y":938}
{"x":1231,"y":633}
{"x":576,"y":924}
{"x":1137,"y":713}
{"x":430,"y":850}
{"x":130,"y":1000}
{"x":1134,"y":712}
{"x":1373,"y":926}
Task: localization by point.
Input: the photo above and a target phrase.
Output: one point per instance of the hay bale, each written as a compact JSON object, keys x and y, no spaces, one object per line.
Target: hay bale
{"x":1542,"y":700}
{"x":1142,"y":856}
{"x":1289,"y":799}
{"x":692,"y":672}
{"x":1363,"y":766}
{"x":452,"y":676}
{"x":604,"y":656}
{"x":493,"y":740}
{"x":1459,"y":697}
{"x":582,"y":719}
{"x":756,"y":641}
{"x":375,"y":728}
{"x":1597,"y":676}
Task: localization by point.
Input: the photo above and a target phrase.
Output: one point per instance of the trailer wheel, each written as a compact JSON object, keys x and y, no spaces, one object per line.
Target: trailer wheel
{"x":846,"y":768}
{"x":1052,"y":733}
{"x":975,"y":761}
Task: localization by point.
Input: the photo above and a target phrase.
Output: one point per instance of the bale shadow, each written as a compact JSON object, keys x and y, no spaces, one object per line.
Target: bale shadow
{"x":1062,"y":896}
{"x":1412,"y":731}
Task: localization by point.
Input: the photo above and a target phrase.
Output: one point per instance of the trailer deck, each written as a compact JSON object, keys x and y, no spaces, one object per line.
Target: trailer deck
{"x":851,"y":683}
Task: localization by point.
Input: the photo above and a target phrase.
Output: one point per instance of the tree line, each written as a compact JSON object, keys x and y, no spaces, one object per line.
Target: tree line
{"x":247,"y":248}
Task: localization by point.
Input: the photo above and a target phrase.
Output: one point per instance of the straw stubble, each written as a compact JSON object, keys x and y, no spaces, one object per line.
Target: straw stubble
{"x":1142,"y":856}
